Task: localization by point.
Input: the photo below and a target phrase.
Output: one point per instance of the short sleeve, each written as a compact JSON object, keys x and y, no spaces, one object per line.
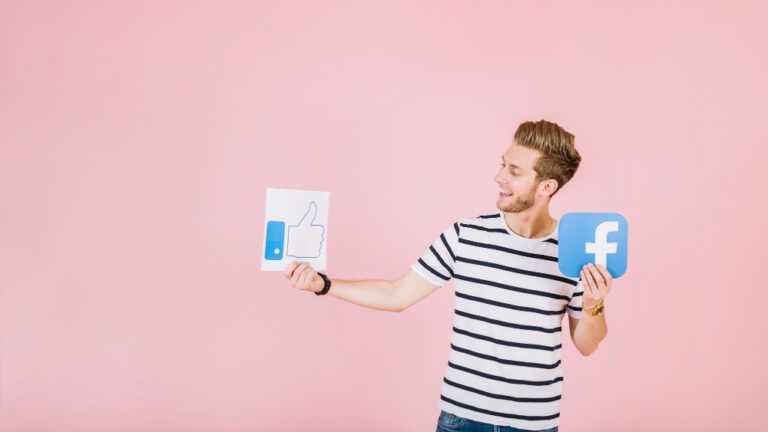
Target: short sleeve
{"x":437,"y":262}
{"x":574,"y":306}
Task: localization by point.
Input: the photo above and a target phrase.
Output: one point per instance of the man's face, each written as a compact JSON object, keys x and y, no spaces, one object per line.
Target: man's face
{"x":517,"y":179}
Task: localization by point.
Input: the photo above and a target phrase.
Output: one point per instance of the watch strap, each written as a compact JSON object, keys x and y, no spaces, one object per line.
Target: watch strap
{"x":327,"y":285}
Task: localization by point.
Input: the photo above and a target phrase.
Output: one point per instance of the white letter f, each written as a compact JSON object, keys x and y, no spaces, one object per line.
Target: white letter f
{"x":601,"y":248}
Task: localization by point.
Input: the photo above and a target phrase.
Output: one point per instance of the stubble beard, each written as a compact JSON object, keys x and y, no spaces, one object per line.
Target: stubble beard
{"x":520,"y":203}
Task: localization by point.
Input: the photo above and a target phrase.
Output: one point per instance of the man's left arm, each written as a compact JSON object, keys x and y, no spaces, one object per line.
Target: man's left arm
{"x":588,"y":331}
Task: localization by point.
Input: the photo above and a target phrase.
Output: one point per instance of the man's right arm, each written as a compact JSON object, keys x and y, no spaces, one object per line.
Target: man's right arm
{"x":392,"y":296}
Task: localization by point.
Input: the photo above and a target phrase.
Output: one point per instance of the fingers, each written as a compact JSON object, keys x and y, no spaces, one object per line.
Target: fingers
{"x":592,"y":280}
{"x":602,"y":289}
{"x":606,"y":276}
{"x":288,"y":272}
{"x":310,"y":277}
{"x":596,"y":281}
{"x":598,"y":278}
{"x":587,"y":282}
{"x":300,"y":274}
{"x":305,"y":272}
{"x":297,"y":272}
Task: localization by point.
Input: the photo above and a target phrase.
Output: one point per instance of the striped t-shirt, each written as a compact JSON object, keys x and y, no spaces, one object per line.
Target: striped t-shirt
{"x":506,"y":344}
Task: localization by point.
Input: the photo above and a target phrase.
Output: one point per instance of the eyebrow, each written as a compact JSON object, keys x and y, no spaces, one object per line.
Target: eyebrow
{"x":513,"y":165}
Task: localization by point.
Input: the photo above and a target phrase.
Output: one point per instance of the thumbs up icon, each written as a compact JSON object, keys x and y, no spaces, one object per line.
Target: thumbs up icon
{"x":305,"y":240}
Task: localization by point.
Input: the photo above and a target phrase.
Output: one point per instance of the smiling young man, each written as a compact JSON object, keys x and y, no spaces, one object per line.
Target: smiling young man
{"x":504,"y":363}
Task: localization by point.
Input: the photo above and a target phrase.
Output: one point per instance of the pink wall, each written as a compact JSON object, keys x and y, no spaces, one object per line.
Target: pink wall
{"x":138,"y":138}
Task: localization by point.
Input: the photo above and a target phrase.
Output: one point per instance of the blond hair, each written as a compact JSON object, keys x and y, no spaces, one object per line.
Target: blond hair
{"x":559,"y":159}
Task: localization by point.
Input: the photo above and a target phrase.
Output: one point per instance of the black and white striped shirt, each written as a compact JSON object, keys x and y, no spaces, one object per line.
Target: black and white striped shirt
{"x":506,"y":345}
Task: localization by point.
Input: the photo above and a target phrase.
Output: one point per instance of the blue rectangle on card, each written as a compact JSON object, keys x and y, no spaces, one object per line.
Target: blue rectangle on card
{"x":273,"y":249}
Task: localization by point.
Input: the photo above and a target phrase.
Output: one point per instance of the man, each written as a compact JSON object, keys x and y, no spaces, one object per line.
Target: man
{"x":504,"y":368}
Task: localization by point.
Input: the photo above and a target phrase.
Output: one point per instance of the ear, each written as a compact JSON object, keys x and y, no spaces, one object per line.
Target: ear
{"x":548,"y":187}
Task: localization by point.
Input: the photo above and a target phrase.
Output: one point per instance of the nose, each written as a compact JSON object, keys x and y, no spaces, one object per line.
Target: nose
{"x":498,"y":178}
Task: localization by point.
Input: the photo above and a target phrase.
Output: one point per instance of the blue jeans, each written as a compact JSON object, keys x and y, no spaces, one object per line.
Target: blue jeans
{"x":451,"y":422}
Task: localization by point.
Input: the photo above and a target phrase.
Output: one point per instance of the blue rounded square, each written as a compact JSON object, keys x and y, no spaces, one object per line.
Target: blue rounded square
{"x":592,"y":237}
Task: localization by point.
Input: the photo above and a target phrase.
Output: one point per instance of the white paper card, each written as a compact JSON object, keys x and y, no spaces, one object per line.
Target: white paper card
{"x":295,"y":228}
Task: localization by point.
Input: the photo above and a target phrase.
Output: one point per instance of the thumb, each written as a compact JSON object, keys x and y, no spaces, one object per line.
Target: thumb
{"x":310,"y":215}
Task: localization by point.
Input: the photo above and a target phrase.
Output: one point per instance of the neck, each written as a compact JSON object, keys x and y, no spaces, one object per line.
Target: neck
{"x":531,"y":223}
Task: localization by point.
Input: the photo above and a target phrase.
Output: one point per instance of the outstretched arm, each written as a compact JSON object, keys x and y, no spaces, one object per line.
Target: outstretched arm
{"x":388,"y":295}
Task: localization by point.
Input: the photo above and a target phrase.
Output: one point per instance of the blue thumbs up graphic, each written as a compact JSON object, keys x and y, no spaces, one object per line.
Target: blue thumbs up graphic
{"x":304,"y":240}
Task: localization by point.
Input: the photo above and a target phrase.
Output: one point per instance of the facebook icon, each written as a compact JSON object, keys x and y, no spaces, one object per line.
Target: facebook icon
{"x":599,"y":238}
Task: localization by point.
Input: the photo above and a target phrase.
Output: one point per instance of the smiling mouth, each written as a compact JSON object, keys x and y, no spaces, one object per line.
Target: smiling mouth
{"x":504,"y":195}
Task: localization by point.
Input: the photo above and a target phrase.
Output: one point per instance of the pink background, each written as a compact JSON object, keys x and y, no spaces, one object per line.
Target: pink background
{"x":138,"y":139}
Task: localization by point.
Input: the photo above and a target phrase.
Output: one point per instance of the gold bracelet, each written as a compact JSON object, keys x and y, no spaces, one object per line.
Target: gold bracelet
{"x":596,"y":309}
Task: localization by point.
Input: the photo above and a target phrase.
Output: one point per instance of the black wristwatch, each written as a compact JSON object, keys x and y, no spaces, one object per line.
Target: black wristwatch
{"x":327,"y":285}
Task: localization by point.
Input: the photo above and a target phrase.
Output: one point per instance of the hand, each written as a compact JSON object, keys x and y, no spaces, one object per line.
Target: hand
{"x":303,"y":277}
{"x":597,"y":284}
